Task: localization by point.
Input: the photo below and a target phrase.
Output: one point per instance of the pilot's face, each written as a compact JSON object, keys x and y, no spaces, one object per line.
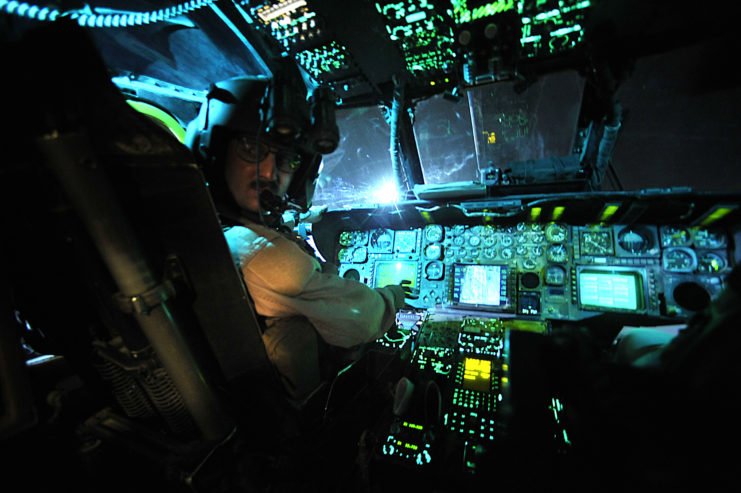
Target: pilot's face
{"x":248,"y":166}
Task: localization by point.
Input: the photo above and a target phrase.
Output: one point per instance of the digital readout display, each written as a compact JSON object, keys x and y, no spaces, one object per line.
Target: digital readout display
{"x":478,"y":284}
{"x":610,"y":290}
{"x":477,"y":374}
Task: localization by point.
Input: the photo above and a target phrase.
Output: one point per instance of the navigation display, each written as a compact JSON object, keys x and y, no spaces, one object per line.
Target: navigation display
{"x":480,"y":285}
{"x":611,"y":290}
{"x":394,"y":271}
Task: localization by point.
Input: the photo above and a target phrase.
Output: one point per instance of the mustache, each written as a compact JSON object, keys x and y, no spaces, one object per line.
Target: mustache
{"x":270,"y":186}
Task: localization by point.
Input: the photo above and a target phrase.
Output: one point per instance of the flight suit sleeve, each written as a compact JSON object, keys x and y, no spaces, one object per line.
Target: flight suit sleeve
{"x":285,"y":281}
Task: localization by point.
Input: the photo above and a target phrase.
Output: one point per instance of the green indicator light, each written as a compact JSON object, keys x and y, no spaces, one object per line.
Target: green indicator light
{"x":609,"y":211}
{"x":566,"y":30}
{"x":417,"y":16}
{"x":718,"y":213}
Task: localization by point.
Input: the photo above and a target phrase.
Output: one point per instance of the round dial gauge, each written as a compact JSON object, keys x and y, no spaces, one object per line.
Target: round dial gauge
{"x":634,"y":240}
{"x":434,"y":233}
{"x":474,"y":241}
{"x":710,"y":263}
{"x":506,"y":253}
{"x":490,"y":253}
{"x":360,"y":254}
{"x":521,"y":250}
{"x":597,"y":242}
{"x":557,"y":253}
{"x":555,"y":233}
{"x":382,"y":240}
{"x":433,"y":251}
{"x":529,"y":263}
{"x":521,"y":227}
{"x":434,"y":270}
{"x":507,"y":240}
{"x":705,"y":238}
{"x":490,"y":241}
{"x":674,"y":236}
{"x":679,"y":259}
{"x":459,"y":240}
{"x":555,"y":275}
{"x":346,"y":238}
{"x":344,"y":255}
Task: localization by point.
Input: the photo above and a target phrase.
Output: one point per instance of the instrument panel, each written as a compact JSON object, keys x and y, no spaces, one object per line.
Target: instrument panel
{"x":544,"y":271}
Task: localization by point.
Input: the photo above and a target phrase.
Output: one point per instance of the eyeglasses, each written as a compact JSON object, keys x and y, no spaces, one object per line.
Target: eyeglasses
{"x":251,"y":150}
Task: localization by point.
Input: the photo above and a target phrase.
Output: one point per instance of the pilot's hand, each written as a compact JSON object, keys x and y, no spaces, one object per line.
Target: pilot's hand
{"x":314,"y":214}
{"x":409,"y":293}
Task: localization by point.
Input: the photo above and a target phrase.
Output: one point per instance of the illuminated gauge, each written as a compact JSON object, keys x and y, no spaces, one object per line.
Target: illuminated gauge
{"x":536,"y":227}
{"x":557,"y":253}
{"x":381,"y":240}
{"x":477,"y":230}
{"x":458,"y":229}
{"x":406,"y":241}
{"x":679,"y":259}
{"x":507,"y":240}
{"x":506,"y":253}
{"x":346,"y":238}
{"x":521,"y":250}
{"x":705,"y":238}
{"x":344,"y":255}
{"x":521,"y":226}
{"x":434,"y":233}
{"x":462,"y":253}
{"x":359,"y":254}
{"x":474,"y":241}
{"x":710,"y":263}
{"x":450,"y":253}
{"x":598,"y":242}
{"x":474,"y":252}
{"x":634,"y":240}
{"x":674,"y":236}
{"x":488,"y":230}
{"x":529,"y":263}
{"x":522,"y":239}
{"x":555,"y":275}
{"x":538,"y":251}
{"x":434,"y":270}
{"x":433,"y":251}
{"x":490,"y":241}
{"x":537,"y":238}
{"x":490,"y":253}
{"x":555,"y":233}
{"x":459,"y":241}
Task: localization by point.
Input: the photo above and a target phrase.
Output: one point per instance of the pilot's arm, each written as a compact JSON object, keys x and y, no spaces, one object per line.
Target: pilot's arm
{"x":284,"y":281}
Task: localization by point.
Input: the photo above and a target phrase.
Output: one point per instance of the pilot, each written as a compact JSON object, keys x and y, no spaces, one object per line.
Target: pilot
{"x":313,"y":320}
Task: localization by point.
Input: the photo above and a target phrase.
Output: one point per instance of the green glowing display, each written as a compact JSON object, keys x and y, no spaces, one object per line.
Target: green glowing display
{"x":393,"y":272}
{"x":422,"y":35}
{"x":610,"y":290}
{"x":550,"y":27}
{"x":462,"y":13}
{"x":324,"y":59}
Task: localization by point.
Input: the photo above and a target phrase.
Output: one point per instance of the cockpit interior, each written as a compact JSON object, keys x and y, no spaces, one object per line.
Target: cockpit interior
{"x":547,"y":178}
